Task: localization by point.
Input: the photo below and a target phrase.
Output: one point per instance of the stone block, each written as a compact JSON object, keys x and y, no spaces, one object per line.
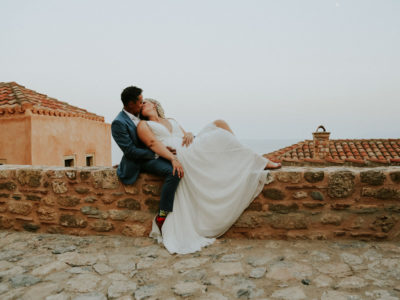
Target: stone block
{"x":84,"y":175}
{"x":10,"y":186}
{"x":331,"y":219}
{"x":3,"y":174}
{"x":20,"y":208}
{"x":255,"y":206}
{"x":384,"y":223}
{"x":72,"y":221}
{"x":283,"y":208}
{"x":152,"y":204}
{"x":289,"y":221}
{"x":387,"y":193}
{"x":90,"y":210}
{"x":136,"y":230}
{"x":313,"y":204}
{"x":102,"y":226}
{"x":6,"y":222}
{"x":372,"y":177}
{"x":289,"y":177}
{"x":395,"y":176}
{"x":31,"y":227}
{"x":46,"y":214}
{"x":273,"y":194}
{"x":82,"y":190}
{"x":317,"y":195}
{"x":71,"y":174}
{"x":368,"y":192}
{"x":90,"y":199}
{"x":152,"y":189}
{"x":129,"y":203}
{"x":341,"y":184}
{"x":69,"y":201}
{"x":33,"y":198}
{"x":130,"y":189}
{"x":118,"y":215}
{"x":314,"y":177}
{"x":31,"y":177}
{"x":106,"y":179}
{"x":300,"y":195}
{"x":59,"y":187}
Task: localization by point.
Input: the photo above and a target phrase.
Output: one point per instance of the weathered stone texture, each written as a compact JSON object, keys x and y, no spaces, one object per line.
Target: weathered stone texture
{"x":47,"y":214}
{"x":73,"y":221}
{"x":152,"y":189}
{"x":106,"y":179}
{"x":289,"y":177}
{"x":87,"y":201}
{"x":273,"y":193}
{"x":290,"y":221}
{"x":68,"y":201}
{"x":102,"y":226}
{"x":11,"y":186}
{"x":30,"y":177}
{"x":372,"y":177}
{"x":341,"y":184}
{"x":20,"y":208}
{"x":395,"y":176}
{"x":314,"y":177}
{"x":283,"y":208}
{"x":129,"y":203}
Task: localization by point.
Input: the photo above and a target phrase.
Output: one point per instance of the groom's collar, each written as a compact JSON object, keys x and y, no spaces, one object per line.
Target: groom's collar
{"x":134,"y":119}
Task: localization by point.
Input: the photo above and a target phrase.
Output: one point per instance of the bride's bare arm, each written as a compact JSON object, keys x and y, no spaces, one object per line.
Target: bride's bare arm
{"x":149,"y":139}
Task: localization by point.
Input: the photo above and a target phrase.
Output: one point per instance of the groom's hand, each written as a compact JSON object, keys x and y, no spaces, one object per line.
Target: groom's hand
{"x":172,"y":150}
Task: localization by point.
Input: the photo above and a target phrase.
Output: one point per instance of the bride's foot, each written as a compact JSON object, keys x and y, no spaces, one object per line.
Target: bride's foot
{"x":272,"y":165}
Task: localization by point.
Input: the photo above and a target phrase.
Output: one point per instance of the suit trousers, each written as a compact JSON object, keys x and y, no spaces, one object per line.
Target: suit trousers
{"x":163,"y":167}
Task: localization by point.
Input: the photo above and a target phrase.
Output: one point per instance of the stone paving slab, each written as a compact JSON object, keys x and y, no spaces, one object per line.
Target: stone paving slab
{"x":62,"y":267}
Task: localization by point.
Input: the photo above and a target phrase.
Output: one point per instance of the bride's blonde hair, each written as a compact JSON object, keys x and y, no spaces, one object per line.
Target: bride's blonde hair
{"x":159,"y":109}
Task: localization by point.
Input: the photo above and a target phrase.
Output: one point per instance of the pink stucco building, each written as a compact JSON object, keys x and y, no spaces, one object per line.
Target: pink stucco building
{"x":38,"y":130}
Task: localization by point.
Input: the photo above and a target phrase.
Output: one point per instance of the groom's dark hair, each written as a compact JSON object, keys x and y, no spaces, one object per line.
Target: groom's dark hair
{"x":131,"y":93}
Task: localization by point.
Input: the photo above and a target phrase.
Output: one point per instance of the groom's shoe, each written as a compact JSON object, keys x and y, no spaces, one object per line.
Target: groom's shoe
{"x":160,"y":221}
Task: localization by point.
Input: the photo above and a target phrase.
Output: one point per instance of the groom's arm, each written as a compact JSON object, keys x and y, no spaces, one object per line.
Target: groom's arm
{"x":124,"y":141}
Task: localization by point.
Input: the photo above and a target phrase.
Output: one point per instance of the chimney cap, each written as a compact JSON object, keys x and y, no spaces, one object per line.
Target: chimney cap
{"x":321,"y":127}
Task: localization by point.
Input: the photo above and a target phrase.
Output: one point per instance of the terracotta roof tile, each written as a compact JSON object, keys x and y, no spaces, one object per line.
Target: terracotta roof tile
{"x":357,"y":152}
{"x":17,"y":98}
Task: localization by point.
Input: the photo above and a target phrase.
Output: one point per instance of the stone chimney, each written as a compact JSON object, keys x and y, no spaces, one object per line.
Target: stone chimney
{"x":321,"y":143}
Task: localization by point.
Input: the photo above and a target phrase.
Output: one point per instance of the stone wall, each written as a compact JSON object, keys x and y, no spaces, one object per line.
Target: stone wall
{"x":301,"y":203}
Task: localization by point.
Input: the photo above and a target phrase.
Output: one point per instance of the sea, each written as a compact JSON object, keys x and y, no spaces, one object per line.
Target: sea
{"x":264,"y":146}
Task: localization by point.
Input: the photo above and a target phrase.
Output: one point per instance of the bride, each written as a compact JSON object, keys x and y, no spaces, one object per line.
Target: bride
{"x":220,"y":178}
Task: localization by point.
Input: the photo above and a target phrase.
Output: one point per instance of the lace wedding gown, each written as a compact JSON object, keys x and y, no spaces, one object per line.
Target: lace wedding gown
{"x":221,"y":178}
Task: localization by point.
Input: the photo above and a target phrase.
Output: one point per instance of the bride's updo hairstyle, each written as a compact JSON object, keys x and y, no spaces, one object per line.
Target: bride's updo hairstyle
{"x":159,"y":109}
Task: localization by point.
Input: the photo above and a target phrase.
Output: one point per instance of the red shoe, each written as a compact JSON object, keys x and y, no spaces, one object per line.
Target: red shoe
{"x":160,"y":221}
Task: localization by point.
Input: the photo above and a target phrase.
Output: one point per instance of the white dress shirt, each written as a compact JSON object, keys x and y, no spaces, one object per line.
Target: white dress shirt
{"x":134,"y":119}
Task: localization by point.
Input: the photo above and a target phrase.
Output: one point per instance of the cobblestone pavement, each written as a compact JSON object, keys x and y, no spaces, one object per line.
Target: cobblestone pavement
{"x":43,"y":266}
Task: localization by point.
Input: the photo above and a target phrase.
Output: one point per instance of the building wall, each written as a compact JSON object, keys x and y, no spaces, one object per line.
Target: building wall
{"x":53,"y":138}
{"x":15,"y":132}
{"x":300,"y":203}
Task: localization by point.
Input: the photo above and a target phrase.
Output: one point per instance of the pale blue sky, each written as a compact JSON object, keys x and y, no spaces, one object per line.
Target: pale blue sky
{"x":273,"y":69}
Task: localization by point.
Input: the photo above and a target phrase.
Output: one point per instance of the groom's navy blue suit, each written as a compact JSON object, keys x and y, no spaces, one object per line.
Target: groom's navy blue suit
{"x":139,"y":158}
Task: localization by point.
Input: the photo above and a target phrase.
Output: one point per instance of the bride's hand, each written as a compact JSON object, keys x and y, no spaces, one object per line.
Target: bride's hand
{"x":187,"y":139}
{"x":177,"y":167}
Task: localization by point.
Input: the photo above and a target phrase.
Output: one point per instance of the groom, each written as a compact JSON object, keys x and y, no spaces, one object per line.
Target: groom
{"x":137,"y":157}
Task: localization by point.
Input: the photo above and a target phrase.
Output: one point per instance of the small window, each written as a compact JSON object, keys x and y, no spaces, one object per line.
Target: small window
{"x":69,"y":161}
{"x":89,"y":160}
{"x":3,"y":161}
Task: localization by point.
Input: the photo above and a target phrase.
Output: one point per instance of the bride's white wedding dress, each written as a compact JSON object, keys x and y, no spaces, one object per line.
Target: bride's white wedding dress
{"x":221,"y":178}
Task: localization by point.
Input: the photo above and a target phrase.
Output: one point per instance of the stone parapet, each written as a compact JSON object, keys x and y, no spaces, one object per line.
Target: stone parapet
{"x":301,"y":203}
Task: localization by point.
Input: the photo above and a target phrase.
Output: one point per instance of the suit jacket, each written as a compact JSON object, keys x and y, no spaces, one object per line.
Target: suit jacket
{"x":135,"y":152}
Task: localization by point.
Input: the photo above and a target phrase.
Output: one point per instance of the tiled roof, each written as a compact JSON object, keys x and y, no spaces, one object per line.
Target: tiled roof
{"x":355,"y":152}
{"x":15,"y":98}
